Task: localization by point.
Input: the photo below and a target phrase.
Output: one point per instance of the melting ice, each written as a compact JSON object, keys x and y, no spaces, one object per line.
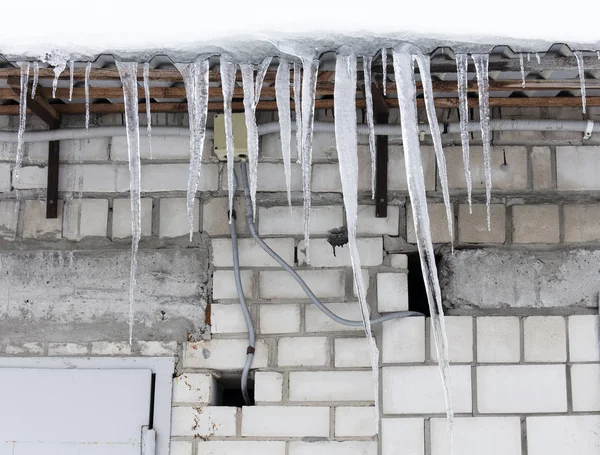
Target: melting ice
{"x":228,"y":72}
{"x":367,"y":62}
{"x":463,"y":109}
{"x":282,"y":93}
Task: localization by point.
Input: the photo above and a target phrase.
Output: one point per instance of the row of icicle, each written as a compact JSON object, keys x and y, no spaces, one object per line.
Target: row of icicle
{"x":303,"y":91}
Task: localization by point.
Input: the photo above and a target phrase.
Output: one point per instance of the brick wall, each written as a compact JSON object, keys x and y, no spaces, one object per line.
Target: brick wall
{"x":523,"y":346}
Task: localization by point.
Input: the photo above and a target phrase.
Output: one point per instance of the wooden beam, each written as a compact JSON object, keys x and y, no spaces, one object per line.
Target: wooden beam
{"x":39,"y":106}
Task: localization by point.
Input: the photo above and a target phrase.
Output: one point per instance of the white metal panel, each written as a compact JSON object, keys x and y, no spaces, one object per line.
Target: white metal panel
{"x":6,"y":448}
{"x":73,"y":405}
{"x":57,"y":448}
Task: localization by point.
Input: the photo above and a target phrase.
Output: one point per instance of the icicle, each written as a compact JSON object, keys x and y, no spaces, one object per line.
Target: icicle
{"x":252,"y":89}
{"x":425,"y":71}
{"x":282,"y":93}
{"x":463,"y":108}
{"x":36,"y":75}
{"x":228,"y":71}
{"x":579,"y":57}
{"x":528,"y":57}
{"x":539,"y":60}
{"x":298,"y":111}
{"x":58,"y":69}
{"x":481,"y":67}
{"x":71,"y":79}
{"x":384,"y":68}
{"x":346,"y":143}
{"x":367,"y":62}
{"x":598,"y":54}
{"x":146,"y":72}
{"x":128,"y":75}
{"x":522,"y":70}
{"x":309,"y":85}
{"x":404,"y":72}
{"x":88,"y":68}
{"x":195,"y":78}
{"x":22,"y":117}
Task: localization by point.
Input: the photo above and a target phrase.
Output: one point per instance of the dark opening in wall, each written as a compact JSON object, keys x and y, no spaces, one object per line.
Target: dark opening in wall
{"x":230,"y":391}
{"x":417,"y":295}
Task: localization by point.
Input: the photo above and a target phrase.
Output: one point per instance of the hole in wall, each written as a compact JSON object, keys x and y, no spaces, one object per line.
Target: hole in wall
{"x":230,"y":391}
{"x":417,"y":294}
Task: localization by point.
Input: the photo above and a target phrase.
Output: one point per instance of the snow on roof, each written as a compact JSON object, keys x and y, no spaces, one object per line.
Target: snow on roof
{"x":190,"y":27}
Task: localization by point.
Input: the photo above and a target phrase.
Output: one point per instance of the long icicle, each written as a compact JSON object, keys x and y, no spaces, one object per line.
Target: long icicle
{"x":425,"y":71}
{"x":71,"y":79}
{"x":579,"y":57}
{"x":481,"y":67}
{"x":310,"y":67}
{"x":146,"y":74}
{"x":86,"y":88}
{"x":367,"y":63}
{"x":22,"y":117}
{"x":522,"y":65}
{"x":228,"y":72}
{"x":36,"y":75}
{"x":128,"y":75}
{"x":58,"y":69}
{"x":463,"y":109}
{"x":195,"y":78}
{"x":282,"y":93}
{"x":298,"y":110}
{"x":384,"y":69}
{"x":404,"y":71}
{"x":346,"y":143}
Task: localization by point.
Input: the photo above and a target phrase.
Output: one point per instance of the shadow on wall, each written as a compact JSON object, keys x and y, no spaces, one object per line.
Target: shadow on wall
{"x":417,"y":294}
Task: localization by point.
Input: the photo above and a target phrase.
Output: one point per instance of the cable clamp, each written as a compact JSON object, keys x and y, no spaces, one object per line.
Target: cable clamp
{"x":250,"y":350}
{"x":589,"y":129}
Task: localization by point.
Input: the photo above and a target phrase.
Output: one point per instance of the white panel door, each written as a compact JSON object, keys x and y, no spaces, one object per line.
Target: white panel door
{"x":73,"y":411}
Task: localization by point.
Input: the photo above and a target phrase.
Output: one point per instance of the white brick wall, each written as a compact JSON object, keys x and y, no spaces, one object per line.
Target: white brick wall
{"x":285,"y":421}
{"x":326,"y":284}
{"x":331,"y":386}
{"x":563,"y":434}
{"x":498,"y":339}
{"x":302,"y":352}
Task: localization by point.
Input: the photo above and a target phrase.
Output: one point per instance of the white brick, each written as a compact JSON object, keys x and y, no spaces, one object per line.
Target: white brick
{"x":279,"y":318}
{"x":224,"y":284}
{"x":392,"y":292}
{"x":240,"y":448}
{"x":477,"y":435}
{"x":404,"y":340}
{"x":271,"y":177}
{"x":509,"y":167}
{"x":438,"y":221}
{"x":94,"y":178}
{"x":174,"y":177}
{"x":369,"y":224}
{"x":30,"y":177}
{"x":425,"y":394}
{"x":459,"y":330}
{"x":366,"y":282}
{"x":542,"y":168}
{"x":4,"y":177}
{"x":397,"y":171}
{"x":399,"y":261}
{"x":58,"y":349}
{"x":285,"y":421}
{"x":86,"y":218}
{"x":406,"y":436}
{"x":352,"y":352}
{"x":163,"y":148}
{"x":195,"y":388}
{"x":173,"y":220}
{"x":9,"y":216}
{"x":203,"y":421}
{"x":181,"y":448}
{"x":473,"y":227}
{"x":583,"y":338}
{"x":37,"y":226}
{"x":25,"y":348}
{"x":585,"y":386}
{"x":536,"y":223}
{"x":323,"y":146}
{"x":581,"y":222}
{"x":333,"y":448}
{"x":545,"y":339}
{"x":325,"y":284}
{"x":331,"y":386}
{"x":250,"y":253}
{"x":302,"y":351}
{"x":521,"y":388}
{"x":110,"y":348}
{"x":355,"y":421}
{"x":221,"y":354}
{"x":90,"y":149}
{"x":317,"y":321}
{"x":326,"y":178}
{"x":577,"y":167}
{"x":227,"y":318}
{"x":157,"y":348}
{"x":121,"y":219}
{"x":277,"y":220}
{"x":215,"y":216}
{"x":498,"y":339}
{"x":370,"y":251}
{"x":268,"y":386}
{"x":559,"y":435}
